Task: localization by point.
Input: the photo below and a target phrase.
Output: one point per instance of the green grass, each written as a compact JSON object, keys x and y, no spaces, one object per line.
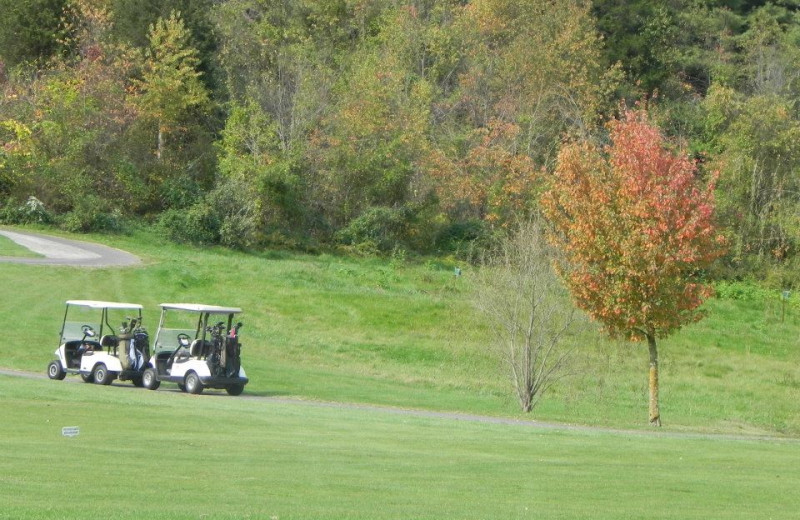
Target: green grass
{"x":10,"y":248}
{"x":168,"y":455}
{"x":323,"y":329}
{"x":403,"y":334}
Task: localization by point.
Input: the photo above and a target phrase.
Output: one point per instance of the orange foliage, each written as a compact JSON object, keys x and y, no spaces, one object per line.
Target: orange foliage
{"x":492,"y":178}
{"x":637,"y":228}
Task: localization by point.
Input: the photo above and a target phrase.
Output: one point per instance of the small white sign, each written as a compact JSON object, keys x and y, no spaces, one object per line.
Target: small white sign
{"x":70,"y":431}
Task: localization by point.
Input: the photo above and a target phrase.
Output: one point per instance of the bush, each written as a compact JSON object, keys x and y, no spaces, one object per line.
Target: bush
{"x":92,"y":213}
{"x":465,"y":238}
{"x":31,"y":211}
{"x":380,"y":228}
{"x":743,"y":291}
{"x":198,"y":224}
{"x":237,"y":216}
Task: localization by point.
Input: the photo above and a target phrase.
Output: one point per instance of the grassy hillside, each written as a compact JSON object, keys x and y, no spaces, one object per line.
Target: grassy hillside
{"x":168,"y":455}
{"x":402,"y":334}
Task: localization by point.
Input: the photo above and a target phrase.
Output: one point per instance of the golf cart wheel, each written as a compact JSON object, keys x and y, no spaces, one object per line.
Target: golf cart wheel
{"x":137,"y":381}
{"x":149,"y":379}
{"x":193,"y":383}
{"x":56,"y":371}
{"x":88,"y":378}
{"x":234,"y":389}
{"x":181,"y":387}
{"x":101,"y":374}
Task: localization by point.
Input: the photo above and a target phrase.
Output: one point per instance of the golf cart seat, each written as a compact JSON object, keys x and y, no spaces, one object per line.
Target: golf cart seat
{"x":200,"y":348}
{"x":109,"y":341}
{"x":75,"y":348}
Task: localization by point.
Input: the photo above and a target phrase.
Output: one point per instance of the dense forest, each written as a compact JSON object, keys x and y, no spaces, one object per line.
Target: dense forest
{"x":385,"y":125}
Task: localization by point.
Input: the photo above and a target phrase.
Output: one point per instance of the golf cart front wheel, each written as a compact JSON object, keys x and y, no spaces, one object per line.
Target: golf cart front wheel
{"x":56,"y":371}
{"x":149,"y":379}
{"x":193,"y":383}
{"x":88,"y":378}
{"x":234,"y":389}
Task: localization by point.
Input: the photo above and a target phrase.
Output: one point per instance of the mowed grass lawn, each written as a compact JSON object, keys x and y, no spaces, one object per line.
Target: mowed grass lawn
{"x":169,"y":455}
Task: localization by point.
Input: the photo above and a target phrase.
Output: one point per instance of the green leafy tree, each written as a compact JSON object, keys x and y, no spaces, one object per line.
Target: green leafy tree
{"x":637,"y":229}
{"x":257,"y":177}
{"x":77,"y":114}
{"x":30,"y":30}
{"x":170,"y":85}
{"x":757,"y":153}
{"x":530,"y":72}
{"x":280,"y":62}
{"x":372,"y":142}
{"x":133,"y":19}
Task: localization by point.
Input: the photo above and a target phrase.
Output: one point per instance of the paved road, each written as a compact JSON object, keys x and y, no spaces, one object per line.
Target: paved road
{"x":61,"y":251}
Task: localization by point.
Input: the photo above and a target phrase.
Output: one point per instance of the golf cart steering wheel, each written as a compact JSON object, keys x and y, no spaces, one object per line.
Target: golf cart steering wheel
{"x":184,"y":340}
{"x":88,"y":332}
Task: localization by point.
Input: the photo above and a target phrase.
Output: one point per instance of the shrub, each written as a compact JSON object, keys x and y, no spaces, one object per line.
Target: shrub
{"x":198,"y":224}
{"x":382,"y":228}
{"x":92,"y":213}
{"x":32,"y":211}
{"x":741,"y":290}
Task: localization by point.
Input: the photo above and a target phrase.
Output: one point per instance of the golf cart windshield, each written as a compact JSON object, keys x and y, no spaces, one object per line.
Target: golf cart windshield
{"x":95,"y":314}
{"x":170,"y":327}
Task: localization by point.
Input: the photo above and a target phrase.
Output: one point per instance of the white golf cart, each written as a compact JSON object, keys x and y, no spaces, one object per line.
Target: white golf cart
{"x":207,"y":355}
{"x":115,"y":356}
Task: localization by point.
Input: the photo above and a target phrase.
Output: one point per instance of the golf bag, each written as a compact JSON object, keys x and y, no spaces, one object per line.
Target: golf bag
{"x":225,"y":358}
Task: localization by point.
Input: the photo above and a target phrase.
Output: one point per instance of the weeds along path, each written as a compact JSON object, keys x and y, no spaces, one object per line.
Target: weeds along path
{"x":450,"y":416}
{"x":61,"y":251}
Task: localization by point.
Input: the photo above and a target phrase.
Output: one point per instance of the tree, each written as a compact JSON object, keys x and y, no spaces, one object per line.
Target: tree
{"x":69,"y":123}
{"x":528,"y":311}
{"x":530,"y":71}
{"x":171,"y":85}
{"x":371,"y":144}
{"x":637,"y":229}
{"x":758,"y":156}
{"x":30,"y":30}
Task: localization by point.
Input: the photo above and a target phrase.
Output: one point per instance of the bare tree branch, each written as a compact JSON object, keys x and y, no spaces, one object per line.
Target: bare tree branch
{"x":528,"y":311}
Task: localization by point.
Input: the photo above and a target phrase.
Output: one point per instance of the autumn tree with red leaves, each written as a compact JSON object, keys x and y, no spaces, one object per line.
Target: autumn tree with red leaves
{"x":637,"y":227}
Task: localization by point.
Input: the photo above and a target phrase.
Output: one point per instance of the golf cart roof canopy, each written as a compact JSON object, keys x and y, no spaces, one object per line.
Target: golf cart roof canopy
{"x":104,"y":305}
{"x":199,"y":307}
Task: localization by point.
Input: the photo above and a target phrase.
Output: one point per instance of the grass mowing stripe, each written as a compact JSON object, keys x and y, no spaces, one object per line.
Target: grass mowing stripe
{"x":169,"y":455}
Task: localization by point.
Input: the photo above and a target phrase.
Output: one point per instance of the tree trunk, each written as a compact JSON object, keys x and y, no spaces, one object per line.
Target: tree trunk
{"x":655,"y":414}
{"x":160,"y":148}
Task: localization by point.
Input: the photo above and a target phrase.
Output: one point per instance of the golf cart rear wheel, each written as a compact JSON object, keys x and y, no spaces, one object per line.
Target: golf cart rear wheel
{"x":101,"y":374}
{"x":56,"y":371}
{"x":137,"y":381}
{"x":149,"y":379}
{"x":193,"y":383}
{"x":234,"y":389}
